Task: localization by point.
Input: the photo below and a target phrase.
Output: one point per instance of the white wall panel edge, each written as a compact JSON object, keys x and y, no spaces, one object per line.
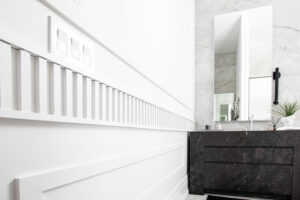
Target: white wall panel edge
{"x":11,"y":114}
{"x":180,"y":192}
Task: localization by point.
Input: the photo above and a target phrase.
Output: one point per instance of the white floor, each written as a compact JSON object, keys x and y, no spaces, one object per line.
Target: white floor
{"x":196,"y":197}
{"x":200,"y":197}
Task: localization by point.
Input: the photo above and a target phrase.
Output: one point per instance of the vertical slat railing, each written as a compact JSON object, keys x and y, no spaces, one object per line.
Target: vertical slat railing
{"x":29,"y":83}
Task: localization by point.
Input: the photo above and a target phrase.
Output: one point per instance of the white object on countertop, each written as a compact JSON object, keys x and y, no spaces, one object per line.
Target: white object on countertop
{"x":287,"y":121}
{"x":218,"y":126}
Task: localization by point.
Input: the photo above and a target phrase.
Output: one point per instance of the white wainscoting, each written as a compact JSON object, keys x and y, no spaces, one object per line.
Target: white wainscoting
{"x":34,"y":88}
{"x":32,"y":187}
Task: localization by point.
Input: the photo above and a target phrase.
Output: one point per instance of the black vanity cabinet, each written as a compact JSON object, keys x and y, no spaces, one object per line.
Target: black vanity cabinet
{"x":253,"y":163}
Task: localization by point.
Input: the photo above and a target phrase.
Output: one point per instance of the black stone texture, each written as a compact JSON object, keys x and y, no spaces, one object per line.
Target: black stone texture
{"x":248,"y":163}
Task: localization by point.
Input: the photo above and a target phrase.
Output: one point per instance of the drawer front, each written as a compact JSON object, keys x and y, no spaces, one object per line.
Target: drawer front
{"x":263,"y":155}
{"x":268,"y":179}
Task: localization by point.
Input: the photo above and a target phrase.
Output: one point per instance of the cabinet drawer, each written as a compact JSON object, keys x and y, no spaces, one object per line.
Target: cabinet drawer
{"x":264,"y":155}
{"x":268,"y":179}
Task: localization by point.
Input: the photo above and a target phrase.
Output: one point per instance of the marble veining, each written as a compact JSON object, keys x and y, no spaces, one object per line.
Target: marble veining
{"x":245,"y":163}
{"x":225,"y":73}
{"x":286,"y":48}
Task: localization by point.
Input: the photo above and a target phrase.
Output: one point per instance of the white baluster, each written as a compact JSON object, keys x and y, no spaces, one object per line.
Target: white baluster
{"x":68,"y":93}
{"x":87,"y":98}
{"x":138,"y":112}
{"x":121,"y":107}
{"x":6,"y":77}
{"x":109,"y":103}
{"x":95,"y":100}
{"x":102,"y":103}
{"x":41,"y":86}
{"x":24,"y":79}
{"x":56,"y":90}
{"x":130,"y":113}
{"x":117,"y":105}
{"x":78,"y":95}
{"x":126,"y":115}
{"x":114,"y":100}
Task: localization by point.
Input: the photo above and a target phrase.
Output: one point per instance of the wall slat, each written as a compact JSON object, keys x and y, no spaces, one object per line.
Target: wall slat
{"x":138,"y":114}
{"x":102,"y":102}
{"x":125,"y":108}
{"x":147,"y":113}
{"x":87,"y":98}
{"x":109,"y":103}
{"x":6,"y":77}
{"x":130,"y":117}
{"x":56,"y":90}
{"x":143,"y":113}
{"x":41,"y":89}
{"x":133,"y":110}
{"x":24,"y":79}
{"x":95,"y":100}
{"x":121,"y":108}
{"x":116,"y":105}
{"x":68,"y":93}
{"x":78,"y":93}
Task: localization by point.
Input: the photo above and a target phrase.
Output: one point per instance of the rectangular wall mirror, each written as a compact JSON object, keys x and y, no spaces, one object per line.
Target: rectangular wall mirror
{"x":243,"y":65}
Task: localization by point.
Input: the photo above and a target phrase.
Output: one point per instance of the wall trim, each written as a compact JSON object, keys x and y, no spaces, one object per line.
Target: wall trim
{"x":32,"y":186}
{"x":74,"y":97}
{"x":10,"y":114}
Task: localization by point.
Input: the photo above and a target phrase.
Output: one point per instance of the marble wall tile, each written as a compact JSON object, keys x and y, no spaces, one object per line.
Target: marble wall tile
{"x":286,"y":48}
{"x":245,"y":125}
{"x":225,"y":73}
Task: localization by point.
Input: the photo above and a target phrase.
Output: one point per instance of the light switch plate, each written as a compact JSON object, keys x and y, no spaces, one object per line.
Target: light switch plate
{"x":87,"y":55}
{"x":71,"y":46}
{"x":62,"y":42}
{"x":75,"y":49}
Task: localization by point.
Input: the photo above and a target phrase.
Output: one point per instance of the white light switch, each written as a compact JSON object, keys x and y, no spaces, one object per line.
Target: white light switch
{"x":62,"y":42}
{"x":87,"y":55}
{"x":75,"y":49}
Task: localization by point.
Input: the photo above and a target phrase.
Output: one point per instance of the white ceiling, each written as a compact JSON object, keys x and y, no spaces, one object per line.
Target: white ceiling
{"x":227,"y":29}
